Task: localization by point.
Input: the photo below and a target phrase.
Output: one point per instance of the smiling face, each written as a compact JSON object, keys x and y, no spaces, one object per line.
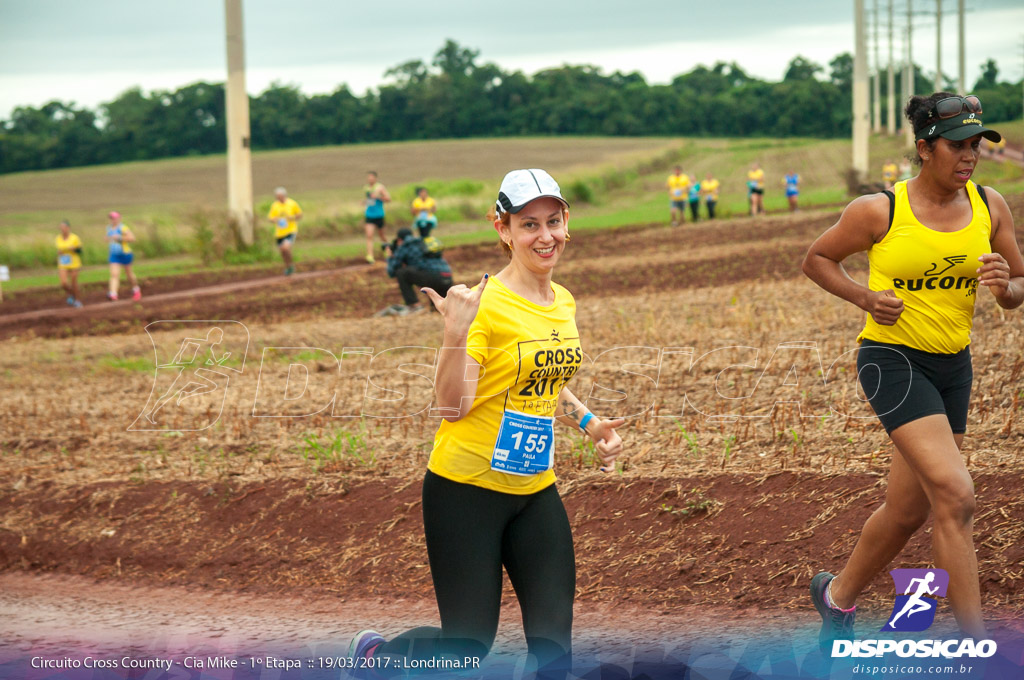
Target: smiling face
{"x":536,"y":234}
{"x":950,"y":162}
{"x":65,"y":229}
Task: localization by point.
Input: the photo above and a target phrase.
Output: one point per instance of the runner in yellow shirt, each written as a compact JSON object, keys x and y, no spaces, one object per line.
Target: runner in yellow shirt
{"x":510,"y":348}
{"x":709,"y":187}
{"x":933,"y":246}
{"x":285,"y":214}
{"x":755,"y":189}
{"x":424,"y":211}
{"x":678,"y":184}
{"x":69,"y":261}
{"x":890,"y":171}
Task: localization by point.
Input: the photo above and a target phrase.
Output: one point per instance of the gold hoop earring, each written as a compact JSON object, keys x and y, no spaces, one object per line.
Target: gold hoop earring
{"x":567,"y":237}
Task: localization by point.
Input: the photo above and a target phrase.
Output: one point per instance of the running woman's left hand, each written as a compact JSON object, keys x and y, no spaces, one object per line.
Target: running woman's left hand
{"x":607,"y":441}
{"x":994,"y":273}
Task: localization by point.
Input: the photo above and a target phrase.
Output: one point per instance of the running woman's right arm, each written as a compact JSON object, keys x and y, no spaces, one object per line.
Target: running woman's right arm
{"x":864,"y":222}
{"x":457,"y":372}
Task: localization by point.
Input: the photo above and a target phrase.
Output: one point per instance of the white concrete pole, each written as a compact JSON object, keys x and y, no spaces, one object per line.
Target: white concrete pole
{"x":861,"y":120}
{"x":961,"y":49}
{"x":237,"y":105}
{"x":890,"y":123}
{"x":876,"y":82}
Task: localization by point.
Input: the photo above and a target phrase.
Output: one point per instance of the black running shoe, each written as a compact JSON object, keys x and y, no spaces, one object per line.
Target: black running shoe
{"x":835,"y":623}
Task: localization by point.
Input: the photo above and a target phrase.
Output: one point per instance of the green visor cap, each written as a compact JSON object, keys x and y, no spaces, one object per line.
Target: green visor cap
{"x":958,"y":128}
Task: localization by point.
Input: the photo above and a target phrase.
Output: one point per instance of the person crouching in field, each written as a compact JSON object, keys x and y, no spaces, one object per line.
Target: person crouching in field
{"x":285,"y":214}
{"x":119,"y":240}
{"x":489,"y":496}
{"x":415,"y":266}
{"x":933,"y":245}
{"x":69,"y":262}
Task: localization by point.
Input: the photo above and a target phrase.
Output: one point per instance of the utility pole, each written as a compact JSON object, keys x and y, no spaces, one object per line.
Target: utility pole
{"x":861,"y":122}
{"x":237,"y":108}
{"x":890,"y":123}
{"x":962,"y":82}
{"x":876,"y":82}
{"x":938,"y":46}
{"x":908,"y":72}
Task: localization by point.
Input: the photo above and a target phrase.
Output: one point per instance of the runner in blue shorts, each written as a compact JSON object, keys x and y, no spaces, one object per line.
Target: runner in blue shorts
{"x":119,"y":240}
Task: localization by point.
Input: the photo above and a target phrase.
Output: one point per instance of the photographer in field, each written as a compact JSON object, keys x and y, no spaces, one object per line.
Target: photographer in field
{"x":416,"y":263}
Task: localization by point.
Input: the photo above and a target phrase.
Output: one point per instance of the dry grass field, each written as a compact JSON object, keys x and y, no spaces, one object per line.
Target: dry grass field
{"x":746,"y":438}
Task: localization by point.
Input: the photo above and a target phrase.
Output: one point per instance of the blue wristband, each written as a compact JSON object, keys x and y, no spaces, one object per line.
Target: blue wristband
{"x":583,"y":421}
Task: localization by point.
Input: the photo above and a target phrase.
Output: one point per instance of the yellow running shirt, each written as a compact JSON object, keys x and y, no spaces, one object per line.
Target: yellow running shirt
{"x":67,"y":252}
{"x":677,"y":186}
{"x":286,"y":211}
{"x":528,"y":354}
{"x":709,"y":188}
{"x":889,"y":172}
{"x":756,"y":178}
{"x":934,"y":273}
{"x":419,"y":205}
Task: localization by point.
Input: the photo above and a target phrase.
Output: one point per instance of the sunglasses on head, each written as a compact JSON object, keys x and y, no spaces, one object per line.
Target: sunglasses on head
{"x":954,"y":106}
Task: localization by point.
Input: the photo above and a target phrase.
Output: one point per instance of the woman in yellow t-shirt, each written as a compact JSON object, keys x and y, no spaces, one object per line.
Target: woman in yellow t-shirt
{"x":489,"y":497}
{"x":424,"y":212}
{"x":69,"y":261}
{"x":890,"y":171}
{"x":755,"y":189}
{"x":932,"y":244}
{"x":709,"y":187}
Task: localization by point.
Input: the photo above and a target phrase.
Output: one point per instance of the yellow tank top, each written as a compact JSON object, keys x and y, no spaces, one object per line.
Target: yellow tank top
{"x":934,"y":273}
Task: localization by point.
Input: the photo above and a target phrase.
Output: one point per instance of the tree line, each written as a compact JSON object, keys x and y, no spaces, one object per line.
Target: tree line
{"x":455,"y":96}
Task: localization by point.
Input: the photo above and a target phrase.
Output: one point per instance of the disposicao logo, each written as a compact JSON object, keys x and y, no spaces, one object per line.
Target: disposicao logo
{"x":912,"y":612}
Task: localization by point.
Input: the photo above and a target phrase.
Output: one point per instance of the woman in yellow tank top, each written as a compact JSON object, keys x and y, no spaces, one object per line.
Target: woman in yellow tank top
{"x":932,"y":245}
{"x":489,"y":497}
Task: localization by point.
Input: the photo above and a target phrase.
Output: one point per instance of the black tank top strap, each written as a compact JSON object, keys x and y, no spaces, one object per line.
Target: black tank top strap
{"x":983,"y":197}
{"x":892,"y":208}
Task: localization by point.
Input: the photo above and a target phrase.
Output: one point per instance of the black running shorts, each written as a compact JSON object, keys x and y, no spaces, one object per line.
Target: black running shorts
{"x":904,"y":384}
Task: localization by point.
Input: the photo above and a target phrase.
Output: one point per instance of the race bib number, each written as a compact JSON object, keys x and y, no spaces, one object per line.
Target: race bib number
{"x":525,"y":444}
{"x":64,"y":259}
{"x":282,"y":222}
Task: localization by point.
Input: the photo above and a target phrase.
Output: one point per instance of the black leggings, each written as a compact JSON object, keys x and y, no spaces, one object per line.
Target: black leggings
{"x":471,"y":532}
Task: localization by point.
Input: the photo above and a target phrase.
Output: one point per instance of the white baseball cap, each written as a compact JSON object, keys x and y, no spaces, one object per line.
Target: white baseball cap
{"x":522,"y":186}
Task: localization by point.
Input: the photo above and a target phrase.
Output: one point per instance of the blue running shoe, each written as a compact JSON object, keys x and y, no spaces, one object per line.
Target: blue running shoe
{"x":71,"y":301}
{"x":836,"y":624}
{"x":362,"y":646}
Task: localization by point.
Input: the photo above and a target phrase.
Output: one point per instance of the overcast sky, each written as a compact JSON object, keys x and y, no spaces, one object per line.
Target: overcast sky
{"x":89,"y":51}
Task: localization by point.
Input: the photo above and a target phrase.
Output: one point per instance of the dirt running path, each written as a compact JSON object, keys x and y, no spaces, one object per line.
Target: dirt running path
{"x":65,"y":617}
